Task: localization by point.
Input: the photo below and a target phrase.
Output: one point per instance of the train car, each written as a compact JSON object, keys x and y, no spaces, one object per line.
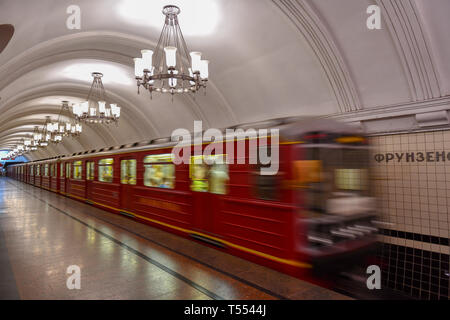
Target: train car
{"x":315,"y":212}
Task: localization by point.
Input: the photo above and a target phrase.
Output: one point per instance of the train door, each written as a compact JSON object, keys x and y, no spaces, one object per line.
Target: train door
{"x":37,"y":179}
{"x":57,"y":175}
{"x":209,"y":177}
{"x":67,"y":177}
{"x":127,"y":182}
{"x":90,"y":174}
{"x":61,"y":178}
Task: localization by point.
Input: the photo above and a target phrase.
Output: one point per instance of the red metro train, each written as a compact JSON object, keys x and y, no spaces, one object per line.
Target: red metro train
{"x":316,"y":212}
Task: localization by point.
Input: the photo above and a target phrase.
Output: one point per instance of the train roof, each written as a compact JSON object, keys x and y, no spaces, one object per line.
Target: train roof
{"x":291,"y":129}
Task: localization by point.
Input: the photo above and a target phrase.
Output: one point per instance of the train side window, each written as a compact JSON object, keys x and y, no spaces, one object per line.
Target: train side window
{"x":128,"y":172}
{"x":78,"y":170}
{"x":209,"y":174}
{"x":68,"y":171}
{"x":32,"y":170}
{"x":105,"y":170}
{"x":61,"y":169}
{"x":38,"y":170}
{"x":159,"y":171}
{"x":90,"y":165}
{"x":46,"y":170}
{"x":52,"y":170}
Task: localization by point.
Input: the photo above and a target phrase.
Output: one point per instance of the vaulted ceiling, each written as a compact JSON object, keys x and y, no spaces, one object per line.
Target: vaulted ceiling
{"x":269,"y":59}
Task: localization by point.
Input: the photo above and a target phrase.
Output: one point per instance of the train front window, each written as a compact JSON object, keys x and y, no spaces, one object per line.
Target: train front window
{"x":329,"y":174}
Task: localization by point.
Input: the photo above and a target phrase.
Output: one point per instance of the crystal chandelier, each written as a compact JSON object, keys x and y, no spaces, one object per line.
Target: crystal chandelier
{"x":52,"y":136}
{"x":64,"y":127}
{"x":96,"y":108}
{"x":29,"y":144}
{"x":41,"y":138}
{"x":166,"y":70}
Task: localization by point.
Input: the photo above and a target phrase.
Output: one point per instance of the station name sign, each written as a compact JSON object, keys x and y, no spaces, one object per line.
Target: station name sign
{"x":432,"y":156}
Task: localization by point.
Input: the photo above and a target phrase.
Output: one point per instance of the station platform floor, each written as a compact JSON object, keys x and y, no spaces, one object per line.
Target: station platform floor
{"x":43,"y":233}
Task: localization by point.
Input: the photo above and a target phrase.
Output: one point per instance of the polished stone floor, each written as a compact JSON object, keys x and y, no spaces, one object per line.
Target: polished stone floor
{"x":42,"y":234}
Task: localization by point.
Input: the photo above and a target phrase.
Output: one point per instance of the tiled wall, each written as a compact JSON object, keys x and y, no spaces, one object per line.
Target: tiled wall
{"x":412,"y":180}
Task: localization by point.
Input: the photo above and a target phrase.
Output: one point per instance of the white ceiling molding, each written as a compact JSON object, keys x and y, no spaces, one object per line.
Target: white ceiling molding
{"x":396,"y":110}
{"x":412,"y":45}
{"x":402,"y":118}
{"x":307,"y":21}
{"x":432,"y":119}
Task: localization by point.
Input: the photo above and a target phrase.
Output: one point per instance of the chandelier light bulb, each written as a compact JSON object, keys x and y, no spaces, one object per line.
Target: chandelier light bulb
{"x":138,"y":67}
{"x":204,"y":69}
{"x":171,"y":56}
{"x":147,"y":59}
{"x":195,"y":61}
{"x":85,"y":107}
{"x":115,"y":110}
{"x":102,"y":107}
